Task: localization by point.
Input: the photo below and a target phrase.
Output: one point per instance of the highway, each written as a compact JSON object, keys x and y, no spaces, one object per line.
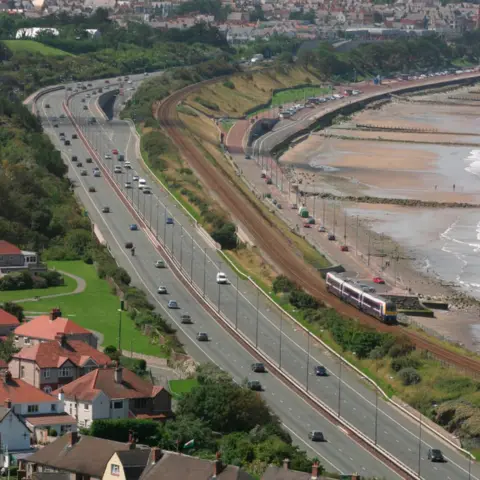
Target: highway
{"x":349,"y":396}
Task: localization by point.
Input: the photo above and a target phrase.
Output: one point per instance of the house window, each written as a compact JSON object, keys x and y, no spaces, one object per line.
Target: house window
{"x":140,"y":403}
{"x":86,"y":406}
{"x":22,"y":372}
{"x":46,"y":373}
{"x":71,"y":408}
{"x":65,"y":372}
{"x":53,"y":407}
{"x":32,"y":409}
{"x":118,"y":404}
{"x":47,"y":389}
{"x":115,"y":469}
{"x":26,"y":341}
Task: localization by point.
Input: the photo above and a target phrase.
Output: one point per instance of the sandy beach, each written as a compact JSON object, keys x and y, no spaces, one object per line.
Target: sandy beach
{"x":432,"y":251}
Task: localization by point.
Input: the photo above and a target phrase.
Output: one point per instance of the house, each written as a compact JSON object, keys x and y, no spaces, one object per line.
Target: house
{"x":83,"y":457}
{"x":34,"y":407}
{"x":114,"y":393}
{"x":52,"y":364}
{"x":13,"y":432}
{"x":284,"y":473}
{"x":47,"y":327}
{"x":127,"y":464}
{"x":8,"y":323}
{"x":167,"y":465}
{"x":12,"y":259}
{"x":34,"y":32}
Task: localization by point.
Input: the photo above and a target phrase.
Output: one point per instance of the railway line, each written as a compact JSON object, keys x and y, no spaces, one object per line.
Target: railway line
{"x":270,"y":239}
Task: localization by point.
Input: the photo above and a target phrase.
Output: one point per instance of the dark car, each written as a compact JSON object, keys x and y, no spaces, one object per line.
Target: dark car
{"x":435,"y":455}
{"x":79,"y":164}
{"x":320,"y":371}
{"x":91,"y":189}
{"x":128,"y":245}
{"x":331,"y":237}
{"x":169,"y":221}
{"x":67,"y":142}
{"x":106,"y":209}
{"x":186,"y":319}
{"x":74,"y":158}
{"x":55,"y":125}
{"x":254,"y":385}
{"x":316,"y":436}
{"x":202,"y":337}
{"x":47,"y":105}
{"x":74,"y":136}
{"x":133,"y":227}
{"x":258,"y":368}
{"x":88,"y":160}
{"x":85,"y":107}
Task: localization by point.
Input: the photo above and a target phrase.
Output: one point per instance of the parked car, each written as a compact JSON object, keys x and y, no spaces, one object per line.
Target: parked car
{"x":85,"y":107}
{"x":172,"y":304}
{"x":378,"y":280}
{"x":55,"y":125}
{"x":202,"y":337}
{"x":106,"y":209}
{"x":186,"y":319}
{"x":254,"y":385}
{"x":258,"y":368}
{"x":316,"y":436}
{"x":320,"y":371}
{"x":162,"y":290}
{"x":435,"y":455}
{"x":47,"y":105}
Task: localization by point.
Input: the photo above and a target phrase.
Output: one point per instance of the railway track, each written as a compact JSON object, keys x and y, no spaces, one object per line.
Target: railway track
{"x":269,"y":238}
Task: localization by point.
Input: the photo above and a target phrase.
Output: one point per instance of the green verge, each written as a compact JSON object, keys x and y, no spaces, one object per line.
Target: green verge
{"x":179,"y":387}
{"x":96,"y":309}
{"x":15,"y":295}
{"x":31,"y":46}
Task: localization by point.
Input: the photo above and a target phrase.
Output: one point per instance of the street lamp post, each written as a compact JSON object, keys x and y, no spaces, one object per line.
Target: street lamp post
{"x":204,"y":269}
{"x":340,"y":388}
{"x":376,"y":413}
{"x":420,"y":446}
{"x":156,"y":230}
{"x":191,"y":262}
{"x":236,"y":305}
{"x":280,"y":341}
{"x":165,"y":227}
{"x":256,"y":329}
{"x":181,"y":246}
{"x":120,"y":330}
{"x":308,"y":358}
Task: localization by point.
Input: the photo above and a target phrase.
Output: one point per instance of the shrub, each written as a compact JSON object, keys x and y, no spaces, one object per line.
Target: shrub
{"x":400,"y":349}
{"x":121,"y":277}
{"x":377,"y":353}
{"x":39,"y":282}
{"x":144,"y":430}
{"x":112,"y":352}
{"x":283,"y":284}
{"x":400,"y":363}
{"x":207,"y":104}
{"x":53,"y":278}
{"x":409,"y":376}
{"x":300,"y":299}
{"x":226,"y":236}
{"x":52,"y":432}
{"x":229,"y":84}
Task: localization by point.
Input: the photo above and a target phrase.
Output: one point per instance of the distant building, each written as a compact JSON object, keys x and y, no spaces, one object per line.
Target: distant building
{"x":8,"y":323}
{"x":12,"y":259}
{"x":34,"y":32}
{"x":13,"y":432}
{"x":93,"y":32}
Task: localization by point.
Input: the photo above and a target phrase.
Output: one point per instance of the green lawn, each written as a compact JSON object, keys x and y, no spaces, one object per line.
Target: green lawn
{"x":31,"y":46}
{"x":228,"y":124}
{"x":297,"y":94}
{"x":70,"y":286}
{"x":96,"y":309}
{"x":177,"y":387}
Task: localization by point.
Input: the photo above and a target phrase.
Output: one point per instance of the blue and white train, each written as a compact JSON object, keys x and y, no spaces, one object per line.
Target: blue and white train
{"x":384,"y":310}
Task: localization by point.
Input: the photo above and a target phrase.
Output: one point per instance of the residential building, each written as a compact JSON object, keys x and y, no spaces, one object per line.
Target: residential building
{"x":284,"y":473}
{"x":36,"y":408}
{"x":114,"y":393}
{"x":47,"y":327}
{"x":14,"y":434}
{"x":83,"y":457}
{"x":8,"y":323}
{"x":127,"y":464}
{"x":167,"y":465}
{"x":52,"y":364}
{"x":12,"y":259}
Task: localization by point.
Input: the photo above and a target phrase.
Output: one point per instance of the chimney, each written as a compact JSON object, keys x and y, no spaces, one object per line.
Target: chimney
{"x":155,"y":455}
{"x":217,"y":465}
{"x":61,"y":338}
{"x":286,"y":464}
{"x":72,"y":438}
{"x":61,"y":395}
{"x":117,"y":374}
{"x":55,"y":313}
{"x":8,"y":403}
{"x":315,"y":469}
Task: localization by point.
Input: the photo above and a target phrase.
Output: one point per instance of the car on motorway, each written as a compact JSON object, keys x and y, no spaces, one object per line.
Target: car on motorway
{"x":85,"y":107}
{"x":88,"y":95}
{"x":121,"y":157}
{"x":331,"y":237}
{"x":254,"y":385}
{"x":88,"y":160}
{"x":108,"y":156}
{"x":172,"y":304}
{"x":117,"y":169}
{"x":135,"y":178}
{"x":186,"y":319}
{"x":379,"y":280}
{"x":67,"y":143}
{"x":92,"y":189}
{"x":322,"y":229}
{"x":133,"y":227}
{"x":258,"y":367}
{"x":169,"y":221}
{"x":316,"y":436}
{"x":106,"y":209}
{"x":435,"y":455}
{"x":128,"y":245}
{"x":320,"y":371}
{"x":147,"y":190}
{"x":222,"y":278}
{"x":83,"y":100}
{"x":107,"y":81}
{"x":61,"y":135}
{"x":162,"y":290}
{"x":128,"y":184}
{"x":344,"y":248}
{"x":115,"y":151}
{"x":83,"y":173}
{"x":202,"y":337}
{"x":160,"y":263}
{"x":79,"y":164}
{"x":127,"y":165}
{"x":74,"y":158}
{"x":96,"y":173}
{"x":307,"y":225}
{"x":63,"y":115}
{"x":74,"y":136}
{"x":89,"y":84}
{"x":55,"y":125}
{"x":47,"y":105}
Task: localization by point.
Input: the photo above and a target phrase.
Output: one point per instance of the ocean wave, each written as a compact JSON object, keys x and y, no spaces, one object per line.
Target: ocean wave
{"x":474,"y":160}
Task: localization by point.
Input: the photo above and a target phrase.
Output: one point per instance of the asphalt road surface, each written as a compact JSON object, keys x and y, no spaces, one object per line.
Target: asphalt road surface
{"x":342,"y":390}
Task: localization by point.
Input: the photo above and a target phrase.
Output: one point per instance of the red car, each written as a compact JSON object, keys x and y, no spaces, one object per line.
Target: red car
{"x":307,"y":225}
{"x":378,"y":280}
{"x":344,"y":248}
{"x":115,"y":151}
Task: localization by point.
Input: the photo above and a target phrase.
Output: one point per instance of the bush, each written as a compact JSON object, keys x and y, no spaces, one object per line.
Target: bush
{"x":229,"y":84}
{"x":52,"y":432}
{"x":401,"y":363}
{"x":207,"y":104}
{"x":53,"y":278}
{"x":409,"y":376}
{"x":226,"y":236}
{"x":401,"y":348}
{"x":121,"y":277}
{"x":144,"y":430}
{"x":283,"y":284}
{"x":300,"y":299}
{"x":112,"y":352}
{"x":39,"y":282}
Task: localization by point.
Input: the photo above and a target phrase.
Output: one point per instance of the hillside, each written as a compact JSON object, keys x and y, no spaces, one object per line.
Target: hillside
{"x":31,"y":46}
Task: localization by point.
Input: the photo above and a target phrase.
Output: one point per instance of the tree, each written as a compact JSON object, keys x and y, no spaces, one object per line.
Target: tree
{"x":209,"y":373}
{"x":257,"y":14}
{"x":145,"y":431}
{"x":15,"y":309}
{"x":226,"y":236}
{"x":7,"y":349}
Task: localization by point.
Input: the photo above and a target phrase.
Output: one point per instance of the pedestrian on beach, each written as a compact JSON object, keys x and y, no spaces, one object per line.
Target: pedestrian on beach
{"x":453,"y":187}
{"x":435,"y":187}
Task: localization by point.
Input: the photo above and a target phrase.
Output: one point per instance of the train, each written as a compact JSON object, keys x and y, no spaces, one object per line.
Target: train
{"x":383,"y":310}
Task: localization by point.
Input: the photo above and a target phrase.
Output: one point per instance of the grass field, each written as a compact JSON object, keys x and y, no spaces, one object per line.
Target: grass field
{"x":96,"y":309}
{"x":297,"y":94}
{"x":70,"y":286}
{"x":31,"y":46}
{"x":177,"y":387}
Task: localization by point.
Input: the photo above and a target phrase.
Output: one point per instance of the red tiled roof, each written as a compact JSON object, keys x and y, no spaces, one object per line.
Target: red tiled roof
{"x":3,"y":364}
{"x":7,"y":319}
{"x":7,"y":248}
{"x":52,"y":419}
{"x":44,"y":327}
{"x":53,"y":355}
{"x":18,"y":391}
{"x":102,"y":380}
